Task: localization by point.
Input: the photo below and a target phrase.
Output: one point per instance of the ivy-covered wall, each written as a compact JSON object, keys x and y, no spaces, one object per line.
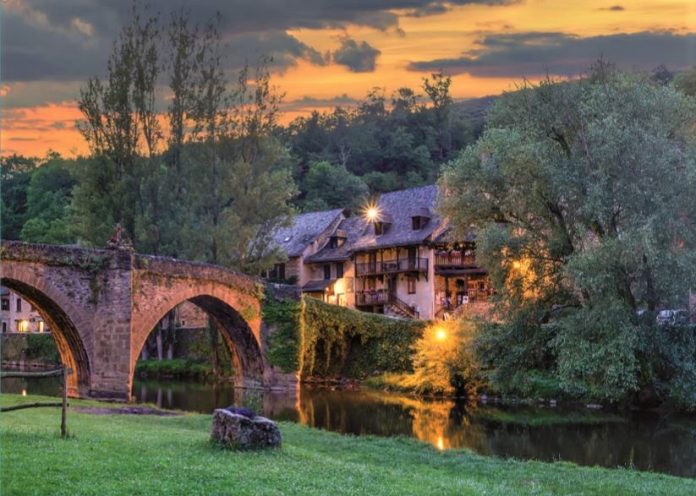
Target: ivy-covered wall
{"x":282,"y":318}
{"x":340,"y":342}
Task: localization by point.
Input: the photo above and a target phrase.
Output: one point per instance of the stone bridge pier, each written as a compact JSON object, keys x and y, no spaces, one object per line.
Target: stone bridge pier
{"x":101,"y":305}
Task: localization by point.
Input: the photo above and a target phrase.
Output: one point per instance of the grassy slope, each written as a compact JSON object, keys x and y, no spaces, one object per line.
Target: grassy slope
{"x":172,"y":455}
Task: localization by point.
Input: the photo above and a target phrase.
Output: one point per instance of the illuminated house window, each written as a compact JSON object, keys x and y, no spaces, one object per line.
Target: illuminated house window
{"x":41,"y":326}
{"x":22,"y":325}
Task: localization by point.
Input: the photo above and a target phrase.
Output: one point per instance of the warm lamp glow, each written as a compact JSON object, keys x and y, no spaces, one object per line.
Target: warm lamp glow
{"x":440,"y":334}
{"x":24,"y":392}
{"x":440,"y":443}
{"x":371,"y":212}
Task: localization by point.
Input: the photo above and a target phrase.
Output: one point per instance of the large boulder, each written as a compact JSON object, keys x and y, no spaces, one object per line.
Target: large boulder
{"x":240,"y":429}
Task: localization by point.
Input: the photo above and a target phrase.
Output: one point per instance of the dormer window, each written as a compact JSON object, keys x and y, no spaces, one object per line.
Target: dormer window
{"x":382,"y":225}
{"x":418,"y":223}
{"x":338,"y":238}
{"x":420,"y":219}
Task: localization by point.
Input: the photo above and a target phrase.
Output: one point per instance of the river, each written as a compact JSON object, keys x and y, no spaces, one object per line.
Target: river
{"x":643,"y":441}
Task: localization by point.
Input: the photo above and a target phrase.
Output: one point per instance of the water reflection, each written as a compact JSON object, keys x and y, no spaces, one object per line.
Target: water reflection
{"x":643,"y":441}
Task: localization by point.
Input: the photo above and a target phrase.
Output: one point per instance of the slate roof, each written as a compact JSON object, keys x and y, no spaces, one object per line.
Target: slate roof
{"x":317,"y":285}
{"x":445,"y":234}
{"x":353,"y":227}
{"x":400,"y":206}
{"x":304,"y":230}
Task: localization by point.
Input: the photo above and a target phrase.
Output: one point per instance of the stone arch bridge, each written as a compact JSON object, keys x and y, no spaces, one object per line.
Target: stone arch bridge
{"x":101,"y":305}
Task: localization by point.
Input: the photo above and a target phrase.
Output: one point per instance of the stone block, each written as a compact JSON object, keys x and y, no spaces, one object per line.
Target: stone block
{"x":244,"y":430}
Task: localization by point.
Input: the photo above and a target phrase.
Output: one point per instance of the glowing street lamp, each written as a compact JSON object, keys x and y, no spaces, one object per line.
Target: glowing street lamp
{"x":371,"y":212}
{"x":440,"y":334}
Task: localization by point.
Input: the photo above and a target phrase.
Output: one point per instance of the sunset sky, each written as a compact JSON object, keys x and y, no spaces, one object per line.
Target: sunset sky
{"x":333,"y":52}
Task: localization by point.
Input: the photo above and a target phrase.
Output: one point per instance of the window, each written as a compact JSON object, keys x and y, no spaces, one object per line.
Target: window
{"x":412,"y":257}
{"x":336,"y":241}
{"x":327,"y":272}
{"x":372,"y":261}
{"x":339,"y":270}
{"x":277,"y":273}
{"x":5,"y":304}
{"x":379,"y":228}
{"x":4,"y":327}
{"x":279,"y":270}
{"x":19,"y":304}
{"x":411,"y":285}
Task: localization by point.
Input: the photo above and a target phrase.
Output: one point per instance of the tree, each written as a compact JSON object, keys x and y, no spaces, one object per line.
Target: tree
{"x":16,"y":175}
{"x":120,"y":126}
{"x":327,"y":186}
{"x":48,"y":200}
{"x":686,"y":82}
{"x":581,"y":195}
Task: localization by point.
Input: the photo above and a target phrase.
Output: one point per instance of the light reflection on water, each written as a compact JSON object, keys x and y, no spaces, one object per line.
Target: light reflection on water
{"x":643,"y":441}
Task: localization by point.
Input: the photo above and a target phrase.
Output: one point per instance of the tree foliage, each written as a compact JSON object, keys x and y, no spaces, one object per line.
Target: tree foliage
{"x":211,"y":181}
{"x":386,"y":143}
{"x":582,"y":197}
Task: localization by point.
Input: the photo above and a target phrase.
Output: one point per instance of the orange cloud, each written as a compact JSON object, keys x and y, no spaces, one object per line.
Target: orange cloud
{"x":35,"y":130}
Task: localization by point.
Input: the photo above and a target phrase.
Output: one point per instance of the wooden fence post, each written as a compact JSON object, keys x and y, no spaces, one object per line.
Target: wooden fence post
{"x":63,"y":419}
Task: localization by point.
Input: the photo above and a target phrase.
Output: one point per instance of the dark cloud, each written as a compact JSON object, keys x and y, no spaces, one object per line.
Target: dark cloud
{"x":534,"y":54}
{"x":442,"y":6}
{"x":356,"y":56}
{"x":613,"y":8}
{"x":311,"y":102}
{"x":71,"y":39}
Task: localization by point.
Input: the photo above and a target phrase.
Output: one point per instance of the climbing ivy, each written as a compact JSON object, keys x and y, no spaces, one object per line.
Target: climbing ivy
{"x":340,"y":342}
{"x":283,"y":342}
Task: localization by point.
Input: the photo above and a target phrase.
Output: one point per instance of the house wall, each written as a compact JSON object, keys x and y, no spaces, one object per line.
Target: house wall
{"x":27,"y":319}
{"x":341,"y":293}
{"x":293,"y":268}
{"x":422,"y":300}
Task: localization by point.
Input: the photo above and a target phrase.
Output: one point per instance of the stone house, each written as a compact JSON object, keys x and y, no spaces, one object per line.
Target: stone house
{"x":19,"y":315}
{"x":399,"y":259}
{"x":305,"y":236}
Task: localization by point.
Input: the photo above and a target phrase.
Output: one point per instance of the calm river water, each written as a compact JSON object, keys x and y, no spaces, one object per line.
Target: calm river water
{"x":640,"y":440}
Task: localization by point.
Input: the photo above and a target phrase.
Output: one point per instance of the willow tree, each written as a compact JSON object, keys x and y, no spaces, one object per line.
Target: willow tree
{"x":582,"y":197}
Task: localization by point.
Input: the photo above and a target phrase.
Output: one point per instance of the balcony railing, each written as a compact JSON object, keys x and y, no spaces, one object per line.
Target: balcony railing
{"x":374,"y":297}
{"x":392,"y":266}
{"x":454,"y":260}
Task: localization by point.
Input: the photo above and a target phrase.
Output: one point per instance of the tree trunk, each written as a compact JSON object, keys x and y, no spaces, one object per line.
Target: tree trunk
{"x":214,"y":346}
{"x":158,"y":338}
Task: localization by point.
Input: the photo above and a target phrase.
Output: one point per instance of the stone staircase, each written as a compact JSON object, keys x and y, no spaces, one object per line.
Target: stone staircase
{"x":401,"y":308}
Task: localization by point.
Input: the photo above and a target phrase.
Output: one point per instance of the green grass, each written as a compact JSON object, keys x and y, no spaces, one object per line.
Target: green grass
{"x":147,"y":455}
{"x":178,"y":368}
{"x":538,"y":417}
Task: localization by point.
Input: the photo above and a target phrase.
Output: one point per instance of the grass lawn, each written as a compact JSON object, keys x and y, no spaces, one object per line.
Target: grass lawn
{"x":148,"y":455}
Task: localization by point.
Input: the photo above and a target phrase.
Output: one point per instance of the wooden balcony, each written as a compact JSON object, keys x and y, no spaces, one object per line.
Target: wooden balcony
{"x":455,"y":259}
{"x":371,"y":297}
{"x":391,"y":267}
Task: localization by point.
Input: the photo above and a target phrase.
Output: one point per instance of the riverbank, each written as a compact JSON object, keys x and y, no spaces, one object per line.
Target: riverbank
{"x":142,"y":454}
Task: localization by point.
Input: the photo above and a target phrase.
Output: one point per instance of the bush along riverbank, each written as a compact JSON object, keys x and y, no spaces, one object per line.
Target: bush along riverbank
{"x":176,"y":368}
{"x":172,"y":454}
{"x":340,"y":347}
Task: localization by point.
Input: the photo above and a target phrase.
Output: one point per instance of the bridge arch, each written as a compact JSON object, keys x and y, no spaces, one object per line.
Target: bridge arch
{"x":226,"y":309}
{"x":67,"y":324}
